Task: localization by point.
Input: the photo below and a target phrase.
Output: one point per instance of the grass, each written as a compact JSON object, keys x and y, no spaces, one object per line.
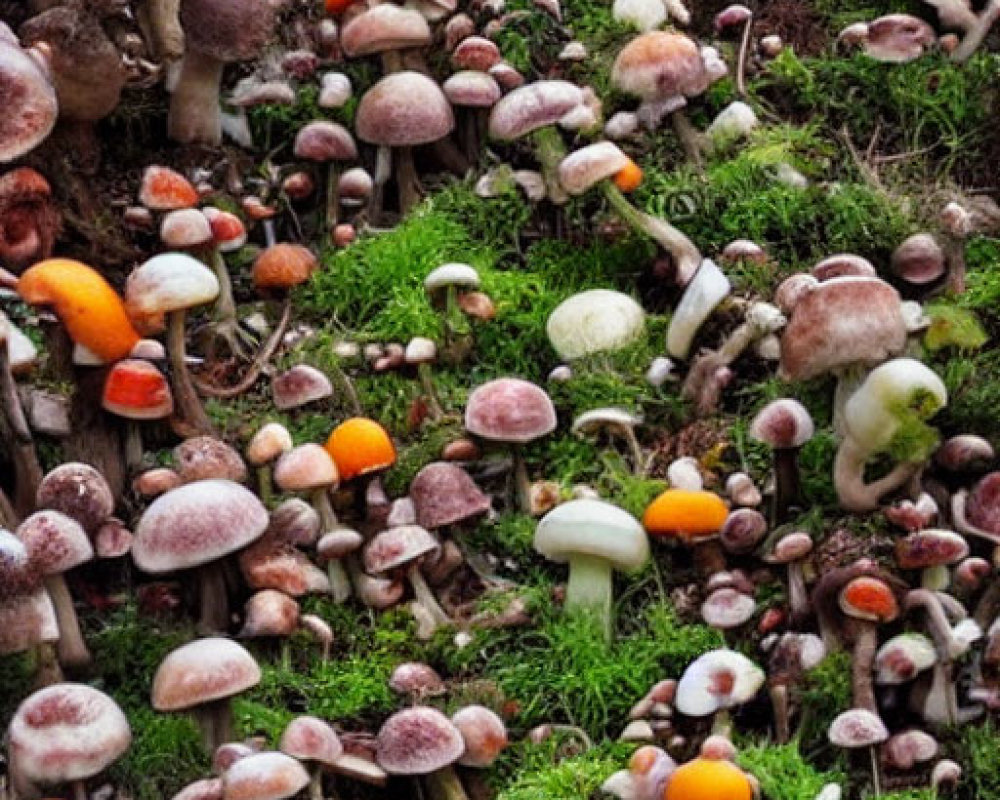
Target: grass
{"x":783,"y":772}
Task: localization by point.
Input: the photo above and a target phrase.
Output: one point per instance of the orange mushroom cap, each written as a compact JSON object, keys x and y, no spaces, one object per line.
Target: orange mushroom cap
{"x":629,"y":177}
{"x":336,"y":7}
{"x":163,"y":189}
{"x":704,"y":779}
{"x":137,"y":390}
{"x":360,"y":446}
{"x":685,"y":514}
{"x":283,"y":266}
{"x":93,"y":313}
{"x":869,"y":598}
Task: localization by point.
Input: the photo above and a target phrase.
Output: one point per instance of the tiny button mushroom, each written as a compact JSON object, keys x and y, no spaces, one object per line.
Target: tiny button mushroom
{"x":484,"y":734}
{"x":267,"y":445}
{"x":269,"y":613}
{"x":595,"y":538}
{"x":281,"y":266}
{"x":264,"y":776}
{"x":785,"y":426}
{"x":156,"y":481}
{"x":422,"y":741}
{"x":299,"y":386}
{"x":903,"y":657}
{"x":448,"y":280}
{"x":421,"y":352}
{"x":709,"y":779}
{"x":113,"y":539}
{"x":743,"y":530}
{"x":416,"y":681}
{"x":649,"y":771}
{"x":904,"y":750}
{"x":742,"y":491}
{"x":964,"y":453}
{"x":595,"y":321}
{"x":727,"y":608}
{"x":616,"y":422}
{"x":898,"y":38}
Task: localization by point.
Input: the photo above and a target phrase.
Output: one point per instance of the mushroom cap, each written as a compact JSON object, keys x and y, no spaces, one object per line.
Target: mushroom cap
{"x":452,"y":274}
{"x":509,"y":410}
{"x":476,"y":53}
{"x":685,"y":514}
{"x":27,"y":98}
{"x":202,"y":671}
{"x":595,"y":419}
{"x":727,"y":608}
{"x":360,"y":446}
{"x":21,"y":351}
{"x":869,"y":598}
{"x":484,"y":734}
{"x":204,"y":789}
{"x":185,"y":229}
{"x":398,"y":547}
{"x":918,"y":259}
{"x":269,"y":613}
{"x":169,"y":282}
{"x":136,"y":389}
{"x":202,"y":458}
{"x":443,"y":494}
{"x":842,"y":322}
{"x":902,"y":657}
{"x":472,"y":89}
{"x":197,"y":523}
{"x":590,"y":165}
{"x":783,"y":423}
{"x":26,"y":619}
{"x":299,"y":386}
{"x":228,"y":30}
{"x":268,"y":443}
{"x":742,"y":530}
{"x":55,"y":543}
{"x":264,"y":776}
{"x":305,"y":467}
{"x":907,"y":748}
{"x":78,"y":491}
{"x":708,"y":779}
{"x":716,"y":680}
{"x":592,"y":528}
{"x":594,"y":321}
{"x":417,"y":741}
{"x":87,"y":306}
{"x":67,"y":732}
{"x":163,"y":189}
{"x":384,"y":27}
{"x":282,"y":266}
{"x":705,"y":290}
{"x":897,"y":38}
{"x":856,"y":728}
{"x":843,"y":265}
{"x":415,"y":678}
{"x":323,"y":140}
{"x":228,"y":231}
{"x":790,"y":547}
{"x":658,"y":65}
{"x":931,"y":547}
{"x":404,"y":109}
{"x":533,"y":106}
{"x":311,"y":739}
{"x":982,"y":505}
{"x":964,"y":452}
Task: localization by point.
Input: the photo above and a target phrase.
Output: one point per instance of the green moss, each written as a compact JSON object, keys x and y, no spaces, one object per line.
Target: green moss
{"x":166,"y":754}
{"x":783,"y":773}
{"x":17,"y":674}
{"x":542,"y":773}
{"x":826,"y":692}
{"x":978,"y":747}
{"x":952,"y":327}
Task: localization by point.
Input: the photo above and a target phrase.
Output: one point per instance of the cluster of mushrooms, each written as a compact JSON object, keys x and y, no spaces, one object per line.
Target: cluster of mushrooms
{"x":281,"y":521}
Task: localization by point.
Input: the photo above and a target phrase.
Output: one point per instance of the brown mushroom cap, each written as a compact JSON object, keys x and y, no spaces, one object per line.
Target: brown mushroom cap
{"x":26,"y":620}
{"x":510,"y":410}
{"x":384,"y":27}
{"x":659,"y":64}
{"x":283,"y":266}
{"x":197,"y":523}
{"x":270,"y":613}
{"x":842,"y":322}
{"x":55,"y":543}
{"x":67,"y":732}
{"x":31,"y":220}
{"x":311,"y":739}
{"x":918,"y":260}
{"x":27,"y":98}
{"x":443,"y":494}
{"x":484,"y":734}
{"x":324,"y":141}
{"x":395,"y":548}
{"x":856,"y":728}
{"x":264,"y":776}
{"x":404,"y":109}
{"x":305,"y":467}
{"x":299,"y":386}
{"x":78,"y":491}
{"x":202,"y":671}
{"x":476,"y":53}
{"x":843,"y":265}
{"x":417,"y":741}
{"x":533,"y":106}
{"x":205,"y":457}
{"x":228,"y":30}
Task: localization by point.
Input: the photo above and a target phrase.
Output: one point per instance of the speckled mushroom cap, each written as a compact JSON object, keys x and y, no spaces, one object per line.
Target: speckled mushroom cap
{"x":484,"y":734}
{"x":471,"y":88}
{"x":67,"y":732}
{"x":509,"y":410}
{"x":589,"y":165}
{"x":27,"y":620}
{"x":417,"y":741}
{"x":197,"y":523}
{"x":930,"y":547}
{"x":311,"y":739}
{"x":592,"y":528}
{"x":27,"y":98}
{"x":842,"y":322}
{"x":982,"y":504}
{"x":404,"y":109}
{"x":18,"y":575}
{"x":384,"y":27}
{"x":264,"y":776}
{"x":902,"y":657}
{"x":324,"y":141}
{"x":202,"y":671}
{"x":78,"y":491}
{"x":594,"y":321}
{"x":658,"y":65}
{"x":443,"y":494}
{"x":228,"y":30}
{"x":205,"y":457}
{"x":55,"y":543}
{"x":308,"y":466}
{"x":398,"y":547}
{"x":782,"y":424}
{"x":169,"y":282}
{"x":533,"y":106}
{"x":269,"y":613}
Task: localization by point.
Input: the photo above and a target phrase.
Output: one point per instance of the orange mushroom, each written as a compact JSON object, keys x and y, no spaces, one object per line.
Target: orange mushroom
{"x":93,"y":313}
{"x":360,"y":446}
{"x":163,"y":189}
{"x":706,"y":779}
{"x":282,"y":266}
{"x":692,"y":517}
{"x":629,"y":177}
{"x":337,"y":7}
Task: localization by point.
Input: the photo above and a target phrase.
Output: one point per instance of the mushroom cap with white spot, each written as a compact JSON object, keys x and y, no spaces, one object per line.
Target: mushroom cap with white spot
{"x":716,"y":680}
{"x":169,"y":282}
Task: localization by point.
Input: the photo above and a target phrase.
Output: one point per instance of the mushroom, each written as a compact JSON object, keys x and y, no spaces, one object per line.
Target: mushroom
{"x":310,"y":739}
{"x":171,"y":283}
{"x":706,"y":287}
{"x":648,"y":774}
{"x":362,"y":450}
{"x":27,"y":97}
{"x":886,"y":414}
{"x":421,"y":352}
{"x":443,"y":494}
{"x":422,"y":741}
{"x":266,"y":446}
{"x":216,"y":32}
{"x":27,"y":617}
{"x":785,"y":426}
{"x":715,"y":682}
{"x":79,"y":491}
{"x":484,"y":734}
{"x":931,"y":550}
{"x":66,"y":733}
{"x":727,"y":607}
{"x":918,"y":260}
{"x":136,"y":390}
{"x":977,"y":512}
{"x":16,"y":350}
{"x":514,"y":412}
{"x":857,"y":728}
{"x":617,"y":423}
{"x":29,"y":219}
{"x":693,"y":517}
{"x":791,"y":549}
{"x":595,"y":538}
{"x":416,"y":681}
{"x":893,"y":38}
{"x":203,"y":675}
{"x":730,"y":17}
{"x":870,"y":601}
{"x":202,"y":458}
{"x":594,"y":321}
{"x":385,"y":30}
{"x":227,"y":234}
{"x":790,"y":657}
{"x":196,"y":525}
{"x":299,"y":386}
{"x":451,"y":278}
{"x":164,"y":189}
{"x":326,"y":142}
{"x":904,"y":750}
{"x":475,"y":92}
{"x":264,"y":776}
{"x":903,"y":657}
{"x":707,"y":779}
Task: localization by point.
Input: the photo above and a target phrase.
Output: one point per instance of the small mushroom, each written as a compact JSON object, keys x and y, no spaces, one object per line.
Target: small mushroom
{"x":707,"y":779}
{"x":421,"y":741}
{"x":693,"y":518}
{"x":266,"y":446}
{"x":715,"y":682}
{"x":313,"y":741}
{"x":617,"y":423}
{"x":649,"y":771}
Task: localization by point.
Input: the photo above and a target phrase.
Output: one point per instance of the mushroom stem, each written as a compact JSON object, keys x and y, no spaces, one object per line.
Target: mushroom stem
{"x":955,"y":258}
{"x":974,"y":37}
{"x":704,"y":381}
{"x":876,"y":780}
{"x":741,"y":58}
{"x":589,"y":588}
{"x":445,"y":785}
{"x":638,"y":456}
{"x":848,"y":478}
{"x":521,"y":482}
{"x":73,"y":652}
{"x":316,"y":783}
{"x":862,"y":664}
{"x":216,"y":722}
{"x":165,"y":27}
{"x":550,"y":151}
{"x":430,"y":392}
{"x":195,"y":115}
{"x":787,"y":488}
{"x":133,"y":445}
{"x":27,"y":470}
{"x":690,"y":138}
{"x":264,"y":485}
{"x":332,"y":198}
{"x":188,"y":404}
{"x":383,"y":169}
{"x":425,"y":598}
{"x":407,"y":182}
{"x":340,"y":583}
{"x":213,"y":599}
{"x":79,"y":790}
{"x":988,"y":606}
{"x":779,"y":703}
{"x":847,"y":383}
{"x":686,"y":256}
{"x":348,"y":386}
{"x":798,"y":597}
{"x":225,"y":305}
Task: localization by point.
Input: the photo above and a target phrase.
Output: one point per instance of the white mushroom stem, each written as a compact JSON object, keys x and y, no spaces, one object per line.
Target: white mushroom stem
{"x":195,"y":115}
{"x":685,"y":255}
{"x":782,"y":711}
{"x":798,"y":597}
{"x":942,"y":694}
{"x":741,"y":58}
{"x":975,"y":36}
{"x":226,"y":324}
{"x":332,"y":197}
{"x":445,"y":785}
{"x":521,"y":482}
{"x":165,"y":27}
{"x":188,"y":404}
{"x":424,"y":597}
{"x":73,"y":652}
{"x":849,"y":478}
{"x":590,"y":588}
{"x":340,"y":583}
{"x":550,"y":151}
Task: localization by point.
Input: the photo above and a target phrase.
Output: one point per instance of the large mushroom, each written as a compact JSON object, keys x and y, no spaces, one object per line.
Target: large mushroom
{"x":594,"y":321}
{"x":423,"y":741}
{"x":26,"y":96}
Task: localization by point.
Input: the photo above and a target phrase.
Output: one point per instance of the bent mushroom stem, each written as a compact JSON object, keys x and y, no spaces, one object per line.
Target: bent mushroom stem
{"x":975,"y":36}
{"x":782,"y":714}
{"x":408,"y":184}
{"x":849,"y":479}
{"x":28,"y":471}
{"x":73,"y":652}
{"x":639,"y":463}
{"x":445,"y":785}
{"x":425,"y":598}
{"x":188,"y":404}
{"x":862,"y":664}
{"x":703,"y":384}
{"x":226,"y":325}
{"x":195,"y":115}
{"x":589,"y":588}
{"x":213,"y":599}
{"x":690,"y":138}
{"x":430,"y":392}
{"x":340,"y":582}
